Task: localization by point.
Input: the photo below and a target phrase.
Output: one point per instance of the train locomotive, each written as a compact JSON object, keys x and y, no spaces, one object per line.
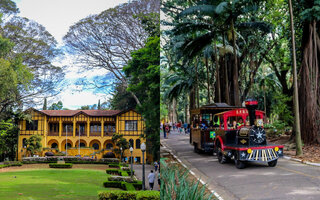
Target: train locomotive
{"x":239,"y":135}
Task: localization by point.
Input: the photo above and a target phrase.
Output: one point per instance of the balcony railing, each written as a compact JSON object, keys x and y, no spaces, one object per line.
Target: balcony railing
{"x":82,"y":133}
{"x":53,"y":133}
{"x":95,"y":133}
{"x":108,"y":133}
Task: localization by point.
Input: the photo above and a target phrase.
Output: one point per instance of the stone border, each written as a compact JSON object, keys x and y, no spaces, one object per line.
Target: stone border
{"x":301,"y":161}
{"x":194,"y":174}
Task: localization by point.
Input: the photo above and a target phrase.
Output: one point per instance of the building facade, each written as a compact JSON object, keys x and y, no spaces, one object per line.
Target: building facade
{"x":82,"y":132}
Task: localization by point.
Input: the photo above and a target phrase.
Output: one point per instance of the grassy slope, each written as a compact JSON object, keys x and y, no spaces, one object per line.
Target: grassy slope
{"x":52,"y":184}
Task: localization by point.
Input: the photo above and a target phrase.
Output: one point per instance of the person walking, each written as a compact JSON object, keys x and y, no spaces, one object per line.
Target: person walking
{"x":151,"y":178}
{"x":185,"y":127}
{"x":155,"y":166}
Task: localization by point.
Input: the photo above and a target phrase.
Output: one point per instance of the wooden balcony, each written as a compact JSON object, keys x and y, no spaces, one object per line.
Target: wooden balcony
{"x":95,"y":133}
{"x":53,"y":133}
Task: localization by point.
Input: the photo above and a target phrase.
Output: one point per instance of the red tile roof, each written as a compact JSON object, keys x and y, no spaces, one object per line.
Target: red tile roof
{"x":69,"y":113}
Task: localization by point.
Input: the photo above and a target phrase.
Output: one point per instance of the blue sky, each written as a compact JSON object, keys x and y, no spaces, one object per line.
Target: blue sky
{"x":57,"y":16}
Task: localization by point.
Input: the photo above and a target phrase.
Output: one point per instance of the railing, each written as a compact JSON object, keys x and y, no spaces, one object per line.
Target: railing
{"x":108,"y":133}
{"x":82,"y":133}
{"x":53,"y":133}
{"x":95,"y":133}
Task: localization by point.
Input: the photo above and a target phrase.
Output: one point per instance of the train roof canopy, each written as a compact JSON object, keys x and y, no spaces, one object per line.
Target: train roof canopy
{"x":213,"y":108}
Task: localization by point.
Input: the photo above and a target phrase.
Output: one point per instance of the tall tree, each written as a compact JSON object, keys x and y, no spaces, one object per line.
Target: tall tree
{"x":45,"y":104}
{"x":105,"y":41}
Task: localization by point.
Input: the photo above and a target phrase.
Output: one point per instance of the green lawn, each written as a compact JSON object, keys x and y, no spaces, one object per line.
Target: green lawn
{"x":52,"y":184}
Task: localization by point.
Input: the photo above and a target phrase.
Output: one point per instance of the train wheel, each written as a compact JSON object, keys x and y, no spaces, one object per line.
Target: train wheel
{"x":221,"y":158}
{"x":272,"y":163}
{"x":239,"y":164}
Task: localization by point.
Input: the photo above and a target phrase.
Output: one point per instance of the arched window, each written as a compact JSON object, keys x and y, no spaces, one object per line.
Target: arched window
{"x":69,"y":145}
{"x":109,"y":146}
{"x":138,"y":143}
{"x":131,"y":143}
{"x":54,"y":145}
{"x":95,"y":146}
{"x":82,"y":144}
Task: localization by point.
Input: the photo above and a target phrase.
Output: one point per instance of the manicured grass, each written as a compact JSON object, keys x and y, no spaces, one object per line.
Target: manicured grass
{"x":52,"y":184}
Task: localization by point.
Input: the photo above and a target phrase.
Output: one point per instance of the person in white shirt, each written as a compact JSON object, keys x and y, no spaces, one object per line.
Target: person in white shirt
{"x":151,"y":178}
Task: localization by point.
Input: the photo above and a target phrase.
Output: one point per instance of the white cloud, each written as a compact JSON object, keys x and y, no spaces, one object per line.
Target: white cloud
{"x":58,"y":15}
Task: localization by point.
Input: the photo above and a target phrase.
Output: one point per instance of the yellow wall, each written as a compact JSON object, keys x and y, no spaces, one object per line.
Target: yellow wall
{"x":100,"y":138}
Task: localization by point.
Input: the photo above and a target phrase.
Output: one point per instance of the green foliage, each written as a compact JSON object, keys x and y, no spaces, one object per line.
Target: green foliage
{"x":56,"y":165}
{"x":121,"y":99}
{"x":120,"y":142}
{"x":114,"y":165}
{"x":175,"y":182}
{"x":131,"y":195}
{"x":143,"y":71}
{"x":45,"y":104}
{"x":8,"y":139}
{"x":34,"y":144}
{"x":56,"y":106}
{"x":281,"y":110}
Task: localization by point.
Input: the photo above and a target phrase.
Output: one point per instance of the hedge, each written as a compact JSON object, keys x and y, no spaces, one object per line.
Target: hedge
{"x":128,"y":186}
{"x":124,"y":173}
{"x":129,"y":195}
{"x":113,"y":171}
{"x":56,"y":165}
{"x":137,"y":185}
{"x":122,"y":178}
{"x":112,"y":184}
{"x":10,"y":164}
{"x":114,"y":165}
{"x":70,"y":159}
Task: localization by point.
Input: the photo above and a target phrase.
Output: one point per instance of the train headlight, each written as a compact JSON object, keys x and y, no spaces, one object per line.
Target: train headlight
{"x":249,"y":151}
{"x":276,"y":148}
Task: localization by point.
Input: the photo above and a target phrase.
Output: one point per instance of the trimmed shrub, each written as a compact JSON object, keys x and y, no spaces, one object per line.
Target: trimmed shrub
{"x":137,"y":185}
{"x":148,"y":195}
{"x":125,"y":169}
{"x":4,"y":166}
{"x":112,"y":184}
{"x":109,"y":155}
{"x":114,"y":165}
{"x":124,"y":165}
{"x":129,"y":195}
{"x":129,"y":172}
{"x":56,"y":165}
{"x":113,"y":171}
{"x":124,"y":173}
{"x":110,"y":160}
{"x":12,"y":163}
{"x":59,"y":154}
{"x":49,"y":153}
{"x":122,"y":178}
{"x":127,"y":186}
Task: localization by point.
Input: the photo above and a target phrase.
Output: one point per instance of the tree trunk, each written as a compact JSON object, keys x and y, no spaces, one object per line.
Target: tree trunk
{"x":235,"y":75}
{"x":208,"y":80}
{"x":197,"y":84}
{"x":218,"y":91}
{"x":174,"y":110}
{"x":226,"y":81}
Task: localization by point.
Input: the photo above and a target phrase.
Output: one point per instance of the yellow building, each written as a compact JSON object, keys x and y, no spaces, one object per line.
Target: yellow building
{"x":86,"y":132}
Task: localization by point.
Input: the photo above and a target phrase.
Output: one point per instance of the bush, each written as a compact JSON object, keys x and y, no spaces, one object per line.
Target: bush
{"x":129,"y":172}
{"x":122,"y":178}
{"x":12,"y":163}
{"x":4,"y":166}
{"x":124,"y":173}
{"x":56,"y":165}
{"x":59,"y":154}
{"x":70,"y":159}
{"x":49,"y":153}
{"x":114,"y":165}
{"x":127,"y":186}
{"x":124,"y":165}
{"x":110,"y":160}
{"x":112,"y":184}
{"x":127,"y":169}
{"x":113,"y":171}
{"x":129,"y":195}
{"x":137,"y":185}
{"x":109,"y":155}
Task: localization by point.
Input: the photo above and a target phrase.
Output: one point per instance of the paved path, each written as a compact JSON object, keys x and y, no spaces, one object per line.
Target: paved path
{"x":288,"y":180}
{"x":138,"y":174}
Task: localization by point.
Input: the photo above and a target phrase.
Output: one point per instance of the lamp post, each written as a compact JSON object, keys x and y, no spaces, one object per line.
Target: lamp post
{"x":143,"y":149}
{"x":120,"y":154}
{"x":66,"y":140}
{"x":131,"y":150}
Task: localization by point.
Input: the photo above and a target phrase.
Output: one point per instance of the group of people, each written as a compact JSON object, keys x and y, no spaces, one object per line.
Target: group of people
{"x":167,"y":127}
{"x":152,"y":175}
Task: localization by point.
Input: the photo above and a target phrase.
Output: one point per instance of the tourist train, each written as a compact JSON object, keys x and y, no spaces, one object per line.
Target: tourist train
{"x":233,"y":133}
